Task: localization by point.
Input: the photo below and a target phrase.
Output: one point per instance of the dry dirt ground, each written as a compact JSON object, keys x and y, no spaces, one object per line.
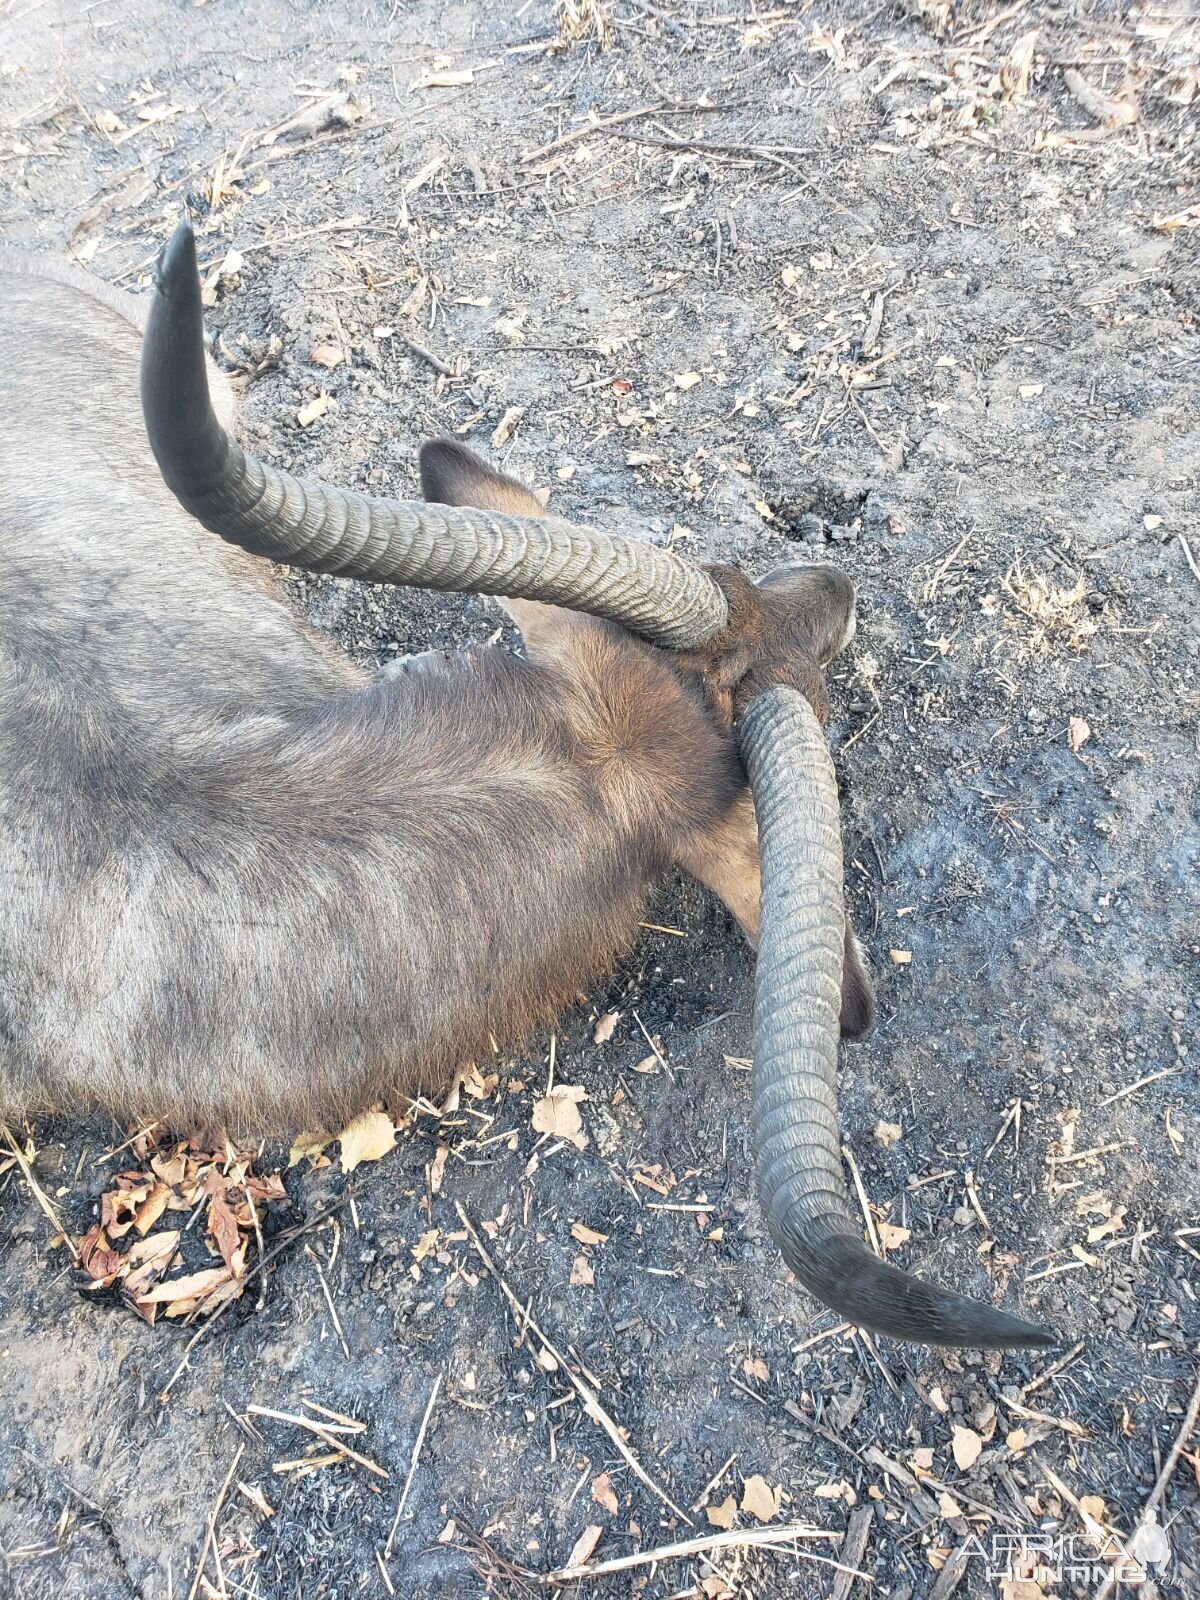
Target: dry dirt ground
{"x":904,"y":288}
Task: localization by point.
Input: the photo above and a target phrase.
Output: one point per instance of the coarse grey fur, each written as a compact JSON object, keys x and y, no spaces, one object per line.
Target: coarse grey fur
{"x":248,"y":883}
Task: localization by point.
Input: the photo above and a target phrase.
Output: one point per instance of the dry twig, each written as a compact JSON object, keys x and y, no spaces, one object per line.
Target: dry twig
{"x":36,"y":1190}
{"x":591,"y":1401}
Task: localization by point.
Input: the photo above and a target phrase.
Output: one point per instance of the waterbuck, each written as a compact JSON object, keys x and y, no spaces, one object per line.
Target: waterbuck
{"x":247,"y":882}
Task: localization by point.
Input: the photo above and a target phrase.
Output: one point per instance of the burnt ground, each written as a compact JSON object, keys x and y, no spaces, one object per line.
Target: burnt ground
{"x":943,"y":327}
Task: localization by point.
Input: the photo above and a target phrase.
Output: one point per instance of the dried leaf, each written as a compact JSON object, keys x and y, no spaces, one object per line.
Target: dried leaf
{"x":222,"y":1225}
{"x":759,"y":1499}
{"x":584,"y":1545}
{"x":901,"y":958}
{"x":557,"y":1113}
{"x":582,"y":1274}
{"x":888,"y":1133}
{"x":480,"y":1085}
{"x":967,"y":1448}
{"x":606,"y":1026}
{"x":326,"y":355}
{"x":586,"y":1235}
{"x":437,"y":1168}
{"x":1110,"y":111}
{"x":891,"y":1237}
{"x":687,"y":380}
{"x":1029,"y":391}
{"x":367,"y":1138}
{"x":1016,"y":70}
{"x":192,"y":1286}
{"x":604,"y":1494}
{"x":427,"y":1244}
{"x":756,"y":1367}
{"x":839,"y":1490}
{"x":507,"y":426}
{"x":1078,"y":734}
{"x":308,"y":1144}
{"x":724,"y":1515}
{"x":315,"y":408}
{"x":98,"y":1258}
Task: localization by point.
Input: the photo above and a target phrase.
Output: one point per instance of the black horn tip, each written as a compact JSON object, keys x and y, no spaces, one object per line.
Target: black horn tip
{"x":839,"y":1269}
{"x":177,"y":261}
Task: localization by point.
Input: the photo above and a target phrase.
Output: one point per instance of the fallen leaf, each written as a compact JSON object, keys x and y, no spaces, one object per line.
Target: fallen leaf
{"x":1078,"y":734}
{"x":326,"y":355}
{"x":584,"y":1545}
{"x":1110,"y":111}
{"x":922,"y":1460}
{"x":586,"y":1235}
{"x":557,"y":1113}
{"x":1016,"y":1440}
{"x":480,"y":1085}
{"x":582,"y":1274}
{"x":967,"y":1448}
{"x":506,"y":427}
{"x":724,"y":1515}
{"x":756,"y":1367}
{"x":315,"y":408}
{"x":437,"y":1168}
{"x":1016,"y":69}
{"x":901,"y":958}
{"x":948,"y":1505}
{"x":98,"y":1258}
{"x":1150,"y":521}
{"x":151,"y":1208}
{"x":887,"y":1134}
{"x":308,"y":1144}
{"x":687,"y":380}
{"x":606,"y":1027}
{"x":367,"y":1138}
{"x":222,"y":1226}
{"x":448,"y":1532}
{"x":892,"y":1237}
{"x":759,"y":1499}
{"x":839,"y":1490}
{"x":1103,"y":1229}
{"x":427,"y":1244}
{"x":192,"y":1286}
{"x":1029,"y":391}
{"x":1093,"y":1506}
{"x":604,"y":1494}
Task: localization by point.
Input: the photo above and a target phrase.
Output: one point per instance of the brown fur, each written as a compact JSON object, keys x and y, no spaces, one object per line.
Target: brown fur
{"x":244,"y":881}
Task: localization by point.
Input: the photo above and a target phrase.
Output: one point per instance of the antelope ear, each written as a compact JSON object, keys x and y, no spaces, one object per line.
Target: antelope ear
{"x":858,"y":995}
{"x":452,"y":475}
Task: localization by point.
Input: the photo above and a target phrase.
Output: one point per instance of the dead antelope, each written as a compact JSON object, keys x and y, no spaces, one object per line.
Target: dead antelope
{"x":247,"y":882}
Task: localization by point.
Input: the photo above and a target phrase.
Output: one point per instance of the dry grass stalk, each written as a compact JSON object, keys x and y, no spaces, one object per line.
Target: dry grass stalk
{"x":580,"y":20}
{"x":1059,"y":616}
{"x":783,"y":1537}
{"x":210,"y":1531}
{"x":591,"y":1401}
{"x":36,"y":1190}
{"x":327,"y":1436}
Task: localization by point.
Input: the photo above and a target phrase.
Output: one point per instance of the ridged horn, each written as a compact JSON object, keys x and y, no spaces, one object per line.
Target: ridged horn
{"x":651,"y":591}
{"x":797,"y":994}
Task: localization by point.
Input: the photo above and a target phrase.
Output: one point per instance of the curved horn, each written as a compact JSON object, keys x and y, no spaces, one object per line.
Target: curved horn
{"x":796,"y":1001}
{"x":651,"y":591}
